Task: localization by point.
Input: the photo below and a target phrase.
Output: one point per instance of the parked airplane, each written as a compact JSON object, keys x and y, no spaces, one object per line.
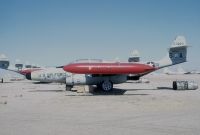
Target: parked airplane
{"x":26,"y":71}
{"x":105,"y":74}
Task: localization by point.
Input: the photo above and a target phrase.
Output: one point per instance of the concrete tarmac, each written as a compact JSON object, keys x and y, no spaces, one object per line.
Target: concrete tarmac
{"x":132,"y":108}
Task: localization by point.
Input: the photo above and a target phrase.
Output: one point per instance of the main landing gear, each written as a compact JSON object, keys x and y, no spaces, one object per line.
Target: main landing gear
{"x":106,"y":86}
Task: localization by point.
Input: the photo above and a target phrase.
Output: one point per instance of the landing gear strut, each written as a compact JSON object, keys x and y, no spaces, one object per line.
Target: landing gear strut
{"x":68,"y":87}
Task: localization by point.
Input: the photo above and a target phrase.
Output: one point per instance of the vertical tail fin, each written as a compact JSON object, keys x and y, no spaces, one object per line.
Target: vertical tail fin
{"x":177,"y":53}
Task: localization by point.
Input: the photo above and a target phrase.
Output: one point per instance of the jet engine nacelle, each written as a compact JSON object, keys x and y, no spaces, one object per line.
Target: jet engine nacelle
{"x":87,"y":79}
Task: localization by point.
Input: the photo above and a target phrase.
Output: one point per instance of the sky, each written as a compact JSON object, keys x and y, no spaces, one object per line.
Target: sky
{"x":56,"y":32}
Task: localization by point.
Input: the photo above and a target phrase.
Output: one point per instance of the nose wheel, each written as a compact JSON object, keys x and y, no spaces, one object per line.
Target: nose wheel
{"x":107,"y":86}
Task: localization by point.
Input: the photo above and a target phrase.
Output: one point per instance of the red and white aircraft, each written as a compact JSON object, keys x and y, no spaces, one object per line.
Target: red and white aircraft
{"x":105,"y":74}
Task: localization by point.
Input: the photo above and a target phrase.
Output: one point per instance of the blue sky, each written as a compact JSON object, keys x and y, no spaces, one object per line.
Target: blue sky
{"x":55,"y":32}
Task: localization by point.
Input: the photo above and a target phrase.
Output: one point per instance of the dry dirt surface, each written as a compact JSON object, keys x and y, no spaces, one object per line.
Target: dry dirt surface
{"x":28,"y":108}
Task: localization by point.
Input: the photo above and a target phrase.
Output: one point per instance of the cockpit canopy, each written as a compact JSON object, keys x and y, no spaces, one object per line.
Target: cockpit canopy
{"x":153,"y":64}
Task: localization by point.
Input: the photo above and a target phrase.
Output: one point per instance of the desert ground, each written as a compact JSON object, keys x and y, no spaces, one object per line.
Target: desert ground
{"x":31,"y":108}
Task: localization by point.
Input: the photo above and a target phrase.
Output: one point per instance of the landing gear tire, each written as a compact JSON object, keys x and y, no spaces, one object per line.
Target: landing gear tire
{"x":107,"y":86}
{"x":68,"y":87}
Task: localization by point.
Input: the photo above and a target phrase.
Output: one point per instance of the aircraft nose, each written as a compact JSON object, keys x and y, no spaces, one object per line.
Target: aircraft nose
{"x":28,"y":76}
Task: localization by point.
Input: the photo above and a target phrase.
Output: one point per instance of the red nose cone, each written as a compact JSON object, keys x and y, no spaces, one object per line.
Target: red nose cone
{"x":108,"y":68}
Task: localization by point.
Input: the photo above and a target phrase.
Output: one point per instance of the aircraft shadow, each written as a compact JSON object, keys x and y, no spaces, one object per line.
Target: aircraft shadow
{"x":114,"y":92}
{"x":158,"y":88}
{"x":118,"y":92}
{"x":96,"y":92}
{"x":41,"y":82}
{"x":165,"y":88}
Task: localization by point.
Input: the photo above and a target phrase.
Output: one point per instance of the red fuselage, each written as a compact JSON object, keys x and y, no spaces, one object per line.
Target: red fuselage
{"x":108,"y":68}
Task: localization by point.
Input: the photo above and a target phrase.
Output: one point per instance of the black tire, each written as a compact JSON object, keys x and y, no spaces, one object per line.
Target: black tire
{"x":107,"y":86}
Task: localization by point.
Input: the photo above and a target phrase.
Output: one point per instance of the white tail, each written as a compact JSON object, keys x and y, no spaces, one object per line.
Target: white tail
{"x":177,"y":53}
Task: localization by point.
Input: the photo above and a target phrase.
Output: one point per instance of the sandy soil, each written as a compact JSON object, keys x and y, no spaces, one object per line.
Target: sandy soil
{"x":154,"y":109}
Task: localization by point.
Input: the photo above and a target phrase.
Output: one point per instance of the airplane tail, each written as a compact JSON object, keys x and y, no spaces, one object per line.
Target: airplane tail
{"x":177,"y":53}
